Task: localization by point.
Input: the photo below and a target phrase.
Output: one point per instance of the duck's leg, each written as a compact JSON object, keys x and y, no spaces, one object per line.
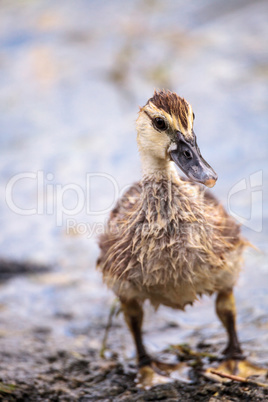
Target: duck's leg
{"x":133,"y":313}
{"x":225,"y":308}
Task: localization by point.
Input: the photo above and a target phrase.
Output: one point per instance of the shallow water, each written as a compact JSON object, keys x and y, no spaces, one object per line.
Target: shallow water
{"x":72,"y":76}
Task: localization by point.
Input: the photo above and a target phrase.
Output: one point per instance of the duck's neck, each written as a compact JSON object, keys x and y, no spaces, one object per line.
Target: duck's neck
{"x":155,"y":167}
{"x":158,"y":196}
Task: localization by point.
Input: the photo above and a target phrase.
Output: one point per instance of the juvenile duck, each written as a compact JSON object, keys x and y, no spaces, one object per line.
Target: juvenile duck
{"x":168,"y":239}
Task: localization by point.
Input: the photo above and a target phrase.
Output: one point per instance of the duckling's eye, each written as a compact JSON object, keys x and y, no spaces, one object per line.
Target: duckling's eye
{"x":160,"y":123}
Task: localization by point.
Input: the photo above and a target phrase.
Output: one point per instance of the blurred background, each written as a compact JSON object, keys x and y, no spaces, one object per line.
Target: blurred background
{"x":72,"y":75}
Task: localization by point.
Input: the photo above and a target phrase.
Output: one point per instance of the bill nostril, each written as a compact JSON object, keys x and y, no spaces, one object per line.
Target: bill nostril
{"x":187,"y":154}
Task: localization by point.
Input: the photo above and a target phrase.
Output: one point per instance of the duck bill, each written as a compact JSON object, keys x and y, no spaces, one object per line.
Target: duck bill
{"x":188,"y":158}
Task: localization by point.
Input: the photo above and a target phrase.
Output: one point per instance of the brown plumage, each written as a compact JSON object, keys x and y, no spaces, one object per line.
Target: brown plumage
{"x":157,"y":238}
{"x":171,"y":103}
{"x":168,"y":239}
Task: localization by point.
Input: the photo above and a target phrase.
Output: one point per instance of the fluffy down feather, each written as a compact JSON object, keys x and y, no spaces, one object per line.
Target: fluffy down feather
{"x":169,"y":240}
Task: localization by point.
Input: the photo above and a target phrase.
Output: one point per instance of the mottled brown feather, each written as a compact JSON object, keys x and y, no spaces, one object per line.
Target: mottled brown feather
{"x":163,"y":236}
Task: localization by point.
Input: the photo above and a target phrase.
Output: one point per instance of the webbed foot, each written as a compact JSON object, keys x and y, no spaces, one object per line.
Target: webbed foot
{"x":157,"y":372}
{"x":236,"y":370}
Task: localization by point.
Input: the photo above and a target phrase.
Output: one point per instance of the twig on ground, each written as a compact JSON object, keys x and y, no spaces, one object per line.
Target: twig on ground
{"x":237,"y":378}
{"x":114,"y":310}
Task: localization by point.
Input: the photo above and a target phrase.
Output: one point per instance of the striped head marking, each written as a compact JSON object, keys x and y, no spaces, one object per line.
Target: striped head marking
{"x":165,"y":132}
{"x":177,"y":111}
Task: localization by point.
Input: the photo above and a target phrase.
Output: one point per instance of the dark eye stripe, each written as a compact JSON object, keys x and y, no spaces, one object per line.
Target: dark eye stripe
{"x":153,"y":119}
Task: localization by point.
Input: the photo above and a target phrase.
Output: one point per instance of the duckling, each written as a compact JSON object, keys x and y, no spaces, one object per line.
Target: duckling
{"x":168,"y":239}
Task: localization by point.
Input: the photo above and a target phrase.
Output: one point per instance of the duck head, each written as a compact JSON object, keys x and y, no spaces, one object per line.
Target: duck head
{"x":165,"y":133}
